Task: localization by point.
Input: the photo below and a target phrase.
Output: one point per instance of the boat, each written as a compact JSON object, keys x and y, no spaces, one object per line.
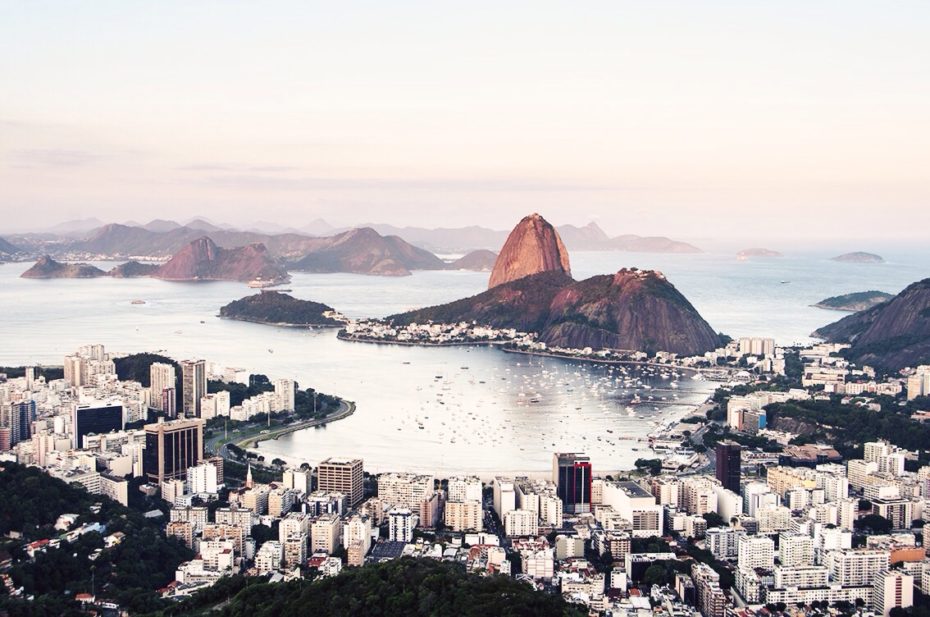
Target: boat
{"x":138,"y":302}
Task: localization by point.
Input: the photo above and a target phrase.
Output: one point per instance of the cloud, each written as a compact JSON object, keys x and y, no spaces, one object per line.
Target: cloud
{"x":52,"y":158}
{"x":254,"y":181}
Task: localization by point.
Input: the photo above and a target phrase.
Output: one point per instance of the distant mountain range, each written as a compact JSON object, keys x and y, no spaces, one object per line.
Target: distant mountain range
{"x":161,"y":237}
{"x":890,"y":336}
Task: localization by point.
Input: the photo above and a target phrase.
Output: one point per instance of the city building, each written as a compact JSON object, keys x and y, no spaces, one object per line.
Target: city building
{"x":344,"y":476}
{"x":571,"y":473}
{"x":193,"y":386}
{"x":728,"y":455}
{"x":95,"y":419}
{"x":171,"y":448}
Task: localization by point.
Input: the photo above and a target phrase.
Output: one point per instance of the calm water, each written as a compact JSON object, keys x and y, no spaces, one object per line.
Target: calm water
{"x":474,"y":405}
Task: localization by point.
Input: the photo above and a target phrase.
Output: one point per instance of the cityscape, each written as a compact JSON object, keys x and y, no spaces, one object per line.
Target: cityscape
{"x":605,"y":309}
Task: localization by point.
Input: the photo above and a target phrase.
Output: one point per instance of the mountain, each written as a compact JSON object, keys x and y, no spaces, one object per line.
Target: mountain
{"x":481,"y":260}
{"x":277,"y":308}
{"x":860,"y":257}
{"x":589,"y":237}
{"x":592,"y":238}
{"x":889,"y":336}
{"x":522,"y":304}
{"x":6,"y":248}
{"x":76,"y":227}
{"x":532,"y":247}
{"x":203,"y":260}
{"x":132,"y":269}
{"x":159,"y":226}
{"x":854,"y":302}
{"x":365,"y":251}
{"x":318,"y":227}
{"x":47,"y":268}
{"x":650,"y":244}
{"x":757,"y":252}
{"x":632,"y":309}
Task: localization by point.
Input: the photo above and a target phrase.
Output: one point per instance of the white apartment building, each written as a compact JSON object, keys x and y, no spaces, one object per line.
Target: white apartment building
{"x":755,"y":552}
{"x":401,"y":523}
{"x":520,"y":523}
{"x":405,"y":490}
{"x":468,"y":488}
{"x":464,"y":516}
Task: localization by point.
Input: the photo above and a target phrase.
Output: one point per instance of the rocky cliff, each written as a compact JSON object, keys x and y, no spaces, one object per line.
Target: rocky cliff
{"x":47,"y":268}
{"x":890,"y":336}
{"x":365,"y":251}
{"x":203,"y":260}
{"x":532,"y":247}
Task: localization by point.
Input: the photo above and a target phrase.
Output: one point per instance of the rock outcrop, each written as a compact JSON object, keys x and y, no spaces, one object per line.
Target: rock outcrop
{"x":47,"y":268}
{"x":532,"y":247}
{"x":203,"y":260}
{"x":890,"y":336}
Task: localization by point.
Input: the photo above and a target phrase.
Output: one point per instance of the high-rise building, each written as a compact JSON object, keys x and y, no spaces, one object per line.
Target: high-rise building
{"x":162,"y":377}
{"x":285,"y":393}
{"x":169,"y":402}
{"x":96,"y":419}
{"x":571,"y":473}
{"x":193,"y":386}
{"x":171,"y":448}
{"x":728,"y":464}
{"x":342,"y":476}
{"x":74,"y":370}
{"x":893,"y":589}
{"x":401,"y":523}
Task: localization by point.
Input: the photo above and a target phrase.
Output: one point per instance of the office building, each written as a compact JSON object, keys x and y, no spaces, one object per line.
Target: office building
{"x":96,"y":419}
{"x":171,"y":448}
{"x":342,"y":476}
{"x":571,"y":473}
{"x":728,"y":465}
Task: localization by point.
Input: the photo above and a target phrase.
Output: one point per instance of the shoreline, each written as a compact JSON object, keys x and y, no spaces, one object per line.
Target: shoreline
{"x":283,"y":324}
{"x":374,"y":341}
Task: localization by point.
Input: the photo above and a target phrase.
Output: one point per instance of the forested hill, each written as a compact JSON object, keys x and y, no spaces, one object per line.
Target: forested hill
{"x":404,"y":587}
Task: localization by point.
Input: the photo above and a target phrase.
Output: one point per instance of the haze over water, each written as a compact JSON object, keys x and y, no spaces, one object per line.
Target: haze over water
{"x":486,"y":408}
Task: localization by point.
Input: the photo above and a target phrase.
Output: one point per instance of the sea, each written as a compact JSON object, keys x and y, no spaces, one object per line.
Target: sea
{"x":449,"y":410}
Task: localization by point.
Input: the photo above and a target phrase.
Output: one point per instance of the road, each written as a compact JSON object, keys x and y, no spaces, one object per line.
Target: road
{"x":253,"y":434}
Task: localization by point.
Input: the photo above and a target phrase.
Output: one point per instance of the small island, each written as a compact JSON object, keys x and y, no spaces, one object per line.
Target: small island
{"x":855,"y":302}
{"x":133,"y":269}
{"x":757,"y":252}
{"x":47,"y":268}
{"x":280,"y":309}
{"x":860,"y":257}
{"x":477,"y":261}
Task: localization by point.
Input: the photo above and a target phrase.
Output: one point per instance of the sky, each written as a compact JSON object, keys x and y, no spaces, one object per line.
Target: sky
{"x":755,"y":119}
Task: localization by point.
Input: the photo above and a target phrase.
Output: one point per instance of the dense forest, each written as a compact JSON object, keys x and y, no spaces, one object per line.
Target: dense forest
{"x":129,"y":573}
{"x":408,"y":587}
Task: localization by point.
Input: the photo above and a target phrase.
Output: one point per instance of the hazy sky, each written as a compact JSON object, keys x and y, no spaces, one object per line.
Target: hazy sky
{"x":691,"y":118}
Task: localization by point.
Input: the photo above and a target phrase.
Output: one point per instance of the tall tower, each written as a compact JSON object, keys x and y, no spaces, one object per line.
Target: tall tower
{"x":194,"y":386}
{"x":729,"y":461}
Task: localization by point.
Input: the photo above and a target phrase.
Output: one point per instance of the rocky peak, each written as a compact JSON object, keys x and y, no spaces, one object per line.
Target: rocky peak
{"x":532,"y":247}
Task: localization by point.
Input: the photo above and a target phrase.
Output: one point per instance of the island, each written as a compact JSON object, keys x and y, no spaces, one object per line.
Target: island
{"x":859,"y":257}
{"x":757,"y":252}
{"x":481,"y":260}
{"x":280,"y":309}
{"x":854,"y":302}
{"x":47,"y":268}
{"x":133,"y":269}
